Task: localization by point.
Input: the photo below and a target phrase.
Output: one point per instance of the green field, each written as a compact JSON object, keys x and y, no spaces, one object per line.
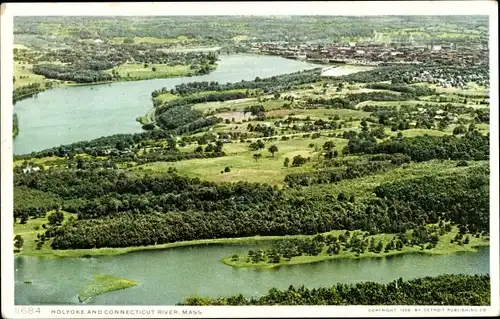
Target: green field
{"x":135,"y":72}
{"x":26,"y":71}
{"x":363,"y":186}
{"x":166,"y":97}
{"x":29,"y":233}
{"x":243,"y":166}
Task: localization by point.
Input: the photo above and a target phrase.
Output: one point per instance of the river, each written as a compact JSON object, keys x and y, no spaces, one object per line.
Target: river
{"x":167,"y":276}
{"x":71,"y":114}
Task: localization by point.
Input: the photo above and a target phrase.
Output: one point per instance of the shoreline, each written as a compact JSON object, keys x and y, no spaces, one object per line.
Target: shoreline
{"x":84,"y":253}
{"x":349,"y":255}
{"x":93,"y":252}
{"x":62,"y":84}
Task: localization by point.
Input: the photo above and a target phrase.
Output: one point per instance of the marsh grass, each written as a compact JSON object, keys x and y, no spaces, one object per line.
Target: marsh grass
{"x":102,"y":284}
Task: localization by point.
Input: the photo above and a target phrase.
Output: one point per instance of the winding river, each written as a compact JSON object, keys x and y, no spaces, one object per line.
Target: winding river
{"x":70,"y":114}
{"x":167,"y":276}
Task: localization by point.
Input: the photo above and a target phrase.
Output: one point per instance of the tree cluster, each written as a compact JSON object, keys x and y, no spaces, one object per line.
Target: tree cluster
{"x":472,"y":145}
{"x":452,"y":290}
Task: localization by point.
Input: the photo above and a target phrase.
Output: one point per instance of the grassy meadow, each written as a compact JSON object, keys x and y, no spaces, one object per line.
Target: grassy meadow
{"x":135,"y":72}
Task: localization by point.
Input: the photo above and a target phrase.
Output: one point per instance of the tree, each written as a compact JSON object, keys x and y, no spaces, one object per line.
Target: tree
{"x":80,"y":164}
{"x":227,"y":169}
{"x":328,"y":147}
{"x":286,"y":162}
{"x":273,"y":149}
{"x":257,"y":145}
{"x":218,"y":146}
{"x":18,"y":242}
{"x":154,"y":69}
{"x":466,"y":240}
{"x":171,"y":144}
{"x":257,"y":156}
{"x":341,"y":197}
{"x":459,"y":130}
{"x":56,"y":218}
{"x":298,"y":161}
{"x":443,"y":124}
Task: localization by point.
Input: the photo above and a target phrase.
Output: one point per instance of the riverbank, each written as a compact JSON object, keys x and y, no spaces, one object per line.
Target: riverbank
{"x":73,"y":112}
{"x":84,"y":253}
{"x":444,"y":247}
{"x":30,"y":229}
{"x":15,"y":125}
{"x":134,"y":74}
{"x":29,"y":233}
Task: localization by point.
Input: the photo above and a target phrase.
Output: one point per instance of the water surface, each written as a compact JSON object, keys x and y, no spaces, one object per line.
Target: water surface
{"x":167,"y":276}
{"x":71,"y":114}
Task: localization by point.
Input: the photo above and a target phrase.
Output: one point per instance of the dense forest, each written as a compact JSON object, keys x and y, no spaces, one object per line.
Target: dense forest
{"x":268,"y":85}
{"x":110,"y":204}
{"x":449,"y":290}
{"x":472,"y":145}
{"x":72,"y":73}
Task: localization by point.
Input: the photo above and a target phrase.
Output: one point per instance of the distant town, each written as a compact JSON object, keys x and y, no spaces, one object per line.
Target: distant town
{"x":374,"y":53}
